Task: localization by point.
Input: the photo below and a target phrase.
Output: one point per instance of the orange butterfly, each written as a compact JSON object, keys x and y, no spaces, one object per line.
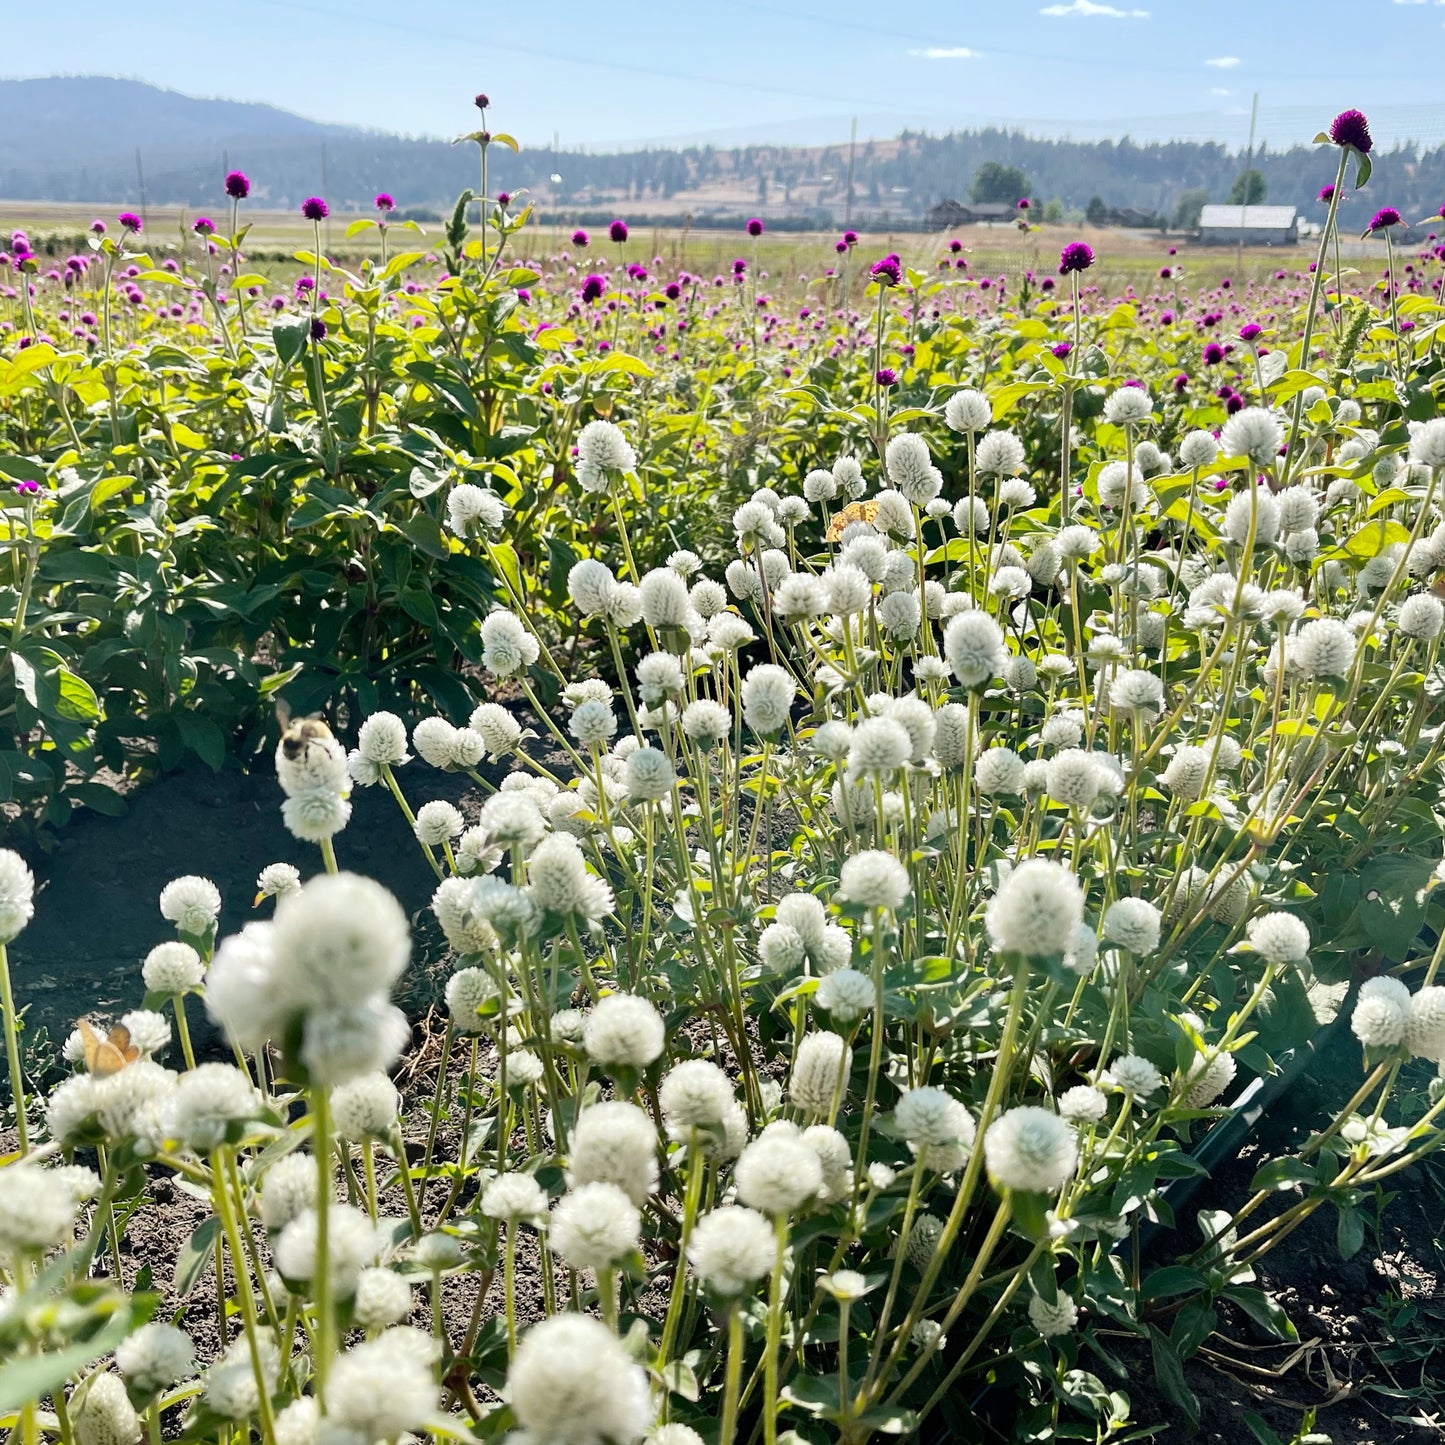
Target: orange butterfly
{"x":853,"y":512}
{"x":109,"y":1055}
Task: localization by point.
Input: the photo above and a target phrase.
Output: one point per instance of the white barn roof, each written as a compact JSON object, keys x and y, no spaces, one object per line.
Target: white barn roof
{"x":1249,"y":218}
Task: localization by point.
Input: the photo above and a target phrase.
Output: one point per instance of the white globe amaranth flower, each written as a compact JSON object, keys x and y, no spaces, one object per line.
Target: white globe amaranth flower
{"x":463,"y":909}
{"x":379,"y":1389}
{"x":1187,"y":771}
{"x":593,"y":724}
{"x":694,"y":1094}
{"x":382,"y":1298}
{"x":664,"y":598}
{"x":1425,"y":1028}
{"x":1083,"y":1104}
{"x":1381,"y":1018}
{"x":602,"y":444}
{"x":1128,"y":406}
{"x":935,"y":1124}
{"x":507,"y":646}
{"x":624,"y":1031}
{"x":846,"y":994}
{"x":1421,"y":616}
{"x":819,"y":486}
{"x":1198,"y":450}
{"x":1207,"y":1078}
{"x":778,"y":1173}
{"x":968,"y":410}
{"x":820,"y":1072}
{"x":352,"y":1243}
{"x":973,"y":646}
{"x":35,"y":1213}
{"x":951,"y":735}
{"x":615,"y":1143}
{"x":558,"y":880}
{"x":849,"y":589}
{"x":1074,"y":778}
{"x":706,"y":723}
{"x":149,"y":1031}
{"x":835,"y":1157}
{"x":155,"y":1357}
{"x":512,"y":819}
{"x":438,"y":822}
{"x":1030,"y":1149}
{"x":277,"y":880}
{"x":288,"y":1189}
{"x":1255,"y":433}
{"x":366,"y":1107}
{"x":767,"y":697}
{"x":648,"y":775}
{"x":315,"y":814}
{"x":432,"y":738}
{"x":1427,"y":442}
{"x":674,"y":1434}
{"x":17,"y":895}
{"x":205,"y":1102}
{"x":999,"y":772}
{"x":105,"y":1415}
{"x":231,"y":1381}
{"x":299,"y":1423}
{"x":382,"y":740}
{"x":910,"y":468}
{"x":572,"y":1380}
{"x":499,"y":731}
{"x":1136,"y":1076}
{"x":590,"y":585}
{"x":1037,"y":910}
{"x":513,"y":1196}
{"x":999,"y":454}
{"x":1255,"y":507}
{"x":473,"y":511}
{"x":878,"y":746}
{"x":1133,"y":924}
{"x":192,"y":903}
{"x":1279,"y":938}
{"x":1054,"y":1319}
{"x":172,"y":968}
{"x":849,"y":476}
{"x":874,"y":879}
{"x":594,"y":1226}
{"x":731,"y":1249}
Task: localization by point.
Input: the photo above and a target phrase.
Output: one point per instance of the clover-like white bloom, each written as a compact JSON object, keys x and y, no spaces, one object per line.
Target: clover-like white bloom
{"x":1128,"y":406}
{"x":1427,"y":442}
{"x":1083,"y":1104}
{"x":366,"y":1107}
{"x":288,"y":1188}
{"x":155,"y":1357}
{"x":192,"y":903}
{"x":624,"y":1030}
{"x":17,"y":895}
{"x":383,"y":1387}
{"x":973,"y":646}
{"x":820,"y":1072}
{"x":1280,"y":937}
{"x":105,"y":1415}
{"x":767,"y":694}
{"x":1037,"y":910}
{"x":874,"y":879}
{"x":351,"y":1244}
{"x":1030,"y":1149}
{"x":1255,"y":433}
{"x":602,"y":444}
{"x":1049,"y":1320}
{"x":615,"y":1143}
{"x":999,"y":454}
{"x":1133,"y":924}
{"x":172,"y":968}
{"x":571,"y":1380}
{"x":1135,"y":1076}
{"x":513,"y":1196}
{"x":732,"y":1249}
{"x":382,"y":1298}
{"x":967,"y":411}
{"x":1207,"y":1078}
{"x":778,"y":1173}
{"x":1382,"y":1013}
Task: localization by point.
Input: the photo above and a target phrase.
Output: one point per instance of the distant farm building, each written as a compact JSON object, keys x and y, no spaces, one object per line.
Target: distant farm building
{"x":1252,"y":225}
{"x":948,"y":214}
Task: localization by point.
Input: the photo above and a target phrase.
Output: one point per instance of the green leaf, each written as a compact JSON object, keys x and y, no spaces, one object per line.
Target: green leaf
{"x":1349,"y":1231}
{"x":1171,"y":1280}
{"x":1169,"y":1371}
{"x":26,"y":1381}
{"x":289,"y":339}
{"x":203,"y":738}
{"x":195,"y":1256}
{"x":1264,"y":1310}
{"x":1281,"y":1174}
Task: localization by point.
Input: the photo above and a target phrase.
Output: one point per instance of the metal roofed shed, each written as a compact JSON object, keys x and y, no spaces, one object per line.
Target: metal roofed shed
{"x":1250,"y":225}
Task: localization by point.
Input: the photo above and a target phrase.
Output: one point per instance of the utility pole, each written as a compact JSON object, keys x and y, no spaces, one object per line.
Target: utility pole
{"x":852,"y":144}
{"x":1244,"y":190}
{"x":140,"y":181}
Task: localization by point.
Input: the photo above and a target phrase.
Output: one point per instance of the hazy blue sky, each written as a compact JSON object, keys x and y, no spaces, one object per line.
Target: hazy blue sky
{"x":605,"y":73}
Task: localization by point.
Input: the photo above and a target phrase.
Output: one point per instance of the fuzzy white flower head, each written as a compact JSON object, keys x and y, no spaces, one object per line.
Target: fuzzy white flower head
{"x":1118,"y":486}
{"x":1422,"y":616}
{"x":590,"y":585}
{"x":463,"y":908}
{"x":105,"y":1415}
{"x":507,"y":646}
{"x":665,"y":603}
{"x":558,"y":880}
{"x":767,"y":695}
{"x":432,"y":737}
{"x":1425,"y":1028}
{"x":193,"y":904}
{"x":1030,"y":1149}
{"x":999,"y":454}
{"x":1135,"y":1076}
{"x":231,"y":1381}
{"x":615,"y":1143}
{"x":731,"y":1249}
{"x":820,"y":1073}
{"x":674,"y":1435}
{"x":351,"y":1244}
{"x":1128,"y":406}
{"x":874,"y":879}
{"x":937,"y":1125}
{"x":342,"y":937}
{"x":1198,"y":450}
{"x":381,"y":1388}
{"x":1083,"y":1104}
{"x":910,"y":468}
{"x":1037,"y":911}
{"x":967,"y":411}
{"x":695,"y":1094}
{"x":1279,"y":938}
{"x":624,"y":1031}
{"x":572,"y":1380}
{"x":878,"y":746}
{"x":1427,"y":443}
{"x":706,"y":723}
{"x":1255,"y":433}
{"x":648,"y":775}
{"x":1207,"y":1078}
{"x":513,"y":1196}
{"x":17,"y":895}
{"x":1133,"y":924}
{"x":172,"y":968}
{"x":1382,"y":1013}
{"x":849,"y":475}
{"x":603,"y":445}
{"x":819,"y":486}
{"x":382,"y":740}
{"x":438,"y":822}
{"x":973,"y":645}
{"x":473,"y":511}
{"x":366,"y":1107}
{"x":149,"y":1031}
{"x":339,"y":1043}
{"x":35,"y":1213}
{"x":299,"y":1423}
{"x":1049,"y":1320}
{"x":778,"y":1173}
{"x":315,"y":814}
{"x":999,"y":773}
{"x":288,"y":1188}
{"x":155,"y":1357}
{"x":1074,"y":778}
{"x":206,"y":1101}
{"x":846,"y":994}
{"x":595,"y":1226}
{"x":382,"y":1298}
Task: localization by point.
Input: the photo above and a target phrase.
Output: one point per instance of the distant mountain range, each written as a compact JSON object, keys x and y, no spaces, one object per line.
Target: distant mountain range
{"x":101,"y":139}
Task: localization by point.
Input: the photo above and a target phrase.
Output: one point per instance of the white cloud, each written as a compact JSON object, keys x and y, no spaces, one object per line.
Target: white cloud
{"x":1223,"y":62}
{"x":1219,"y":90}
{"x":947,"y":52}
{"x":1089,"y":7}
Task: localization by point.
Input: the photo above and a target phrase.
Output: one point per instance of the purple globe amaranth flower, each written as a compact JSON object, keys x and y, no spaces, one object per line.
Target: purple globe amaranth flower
{"x":886,"y":376}
{"x":203,"y":226}
{"x":384,"y":202}
{"x":739,"y":266}
{"x":1023,"y":203}
{"x":1213,"y":354}
{"x":1384,"y":218}
{"x":1076,"y":256}
{"x":594,"y":288}
{"x":888,"y":271}
{"x":98,"y":227}
{"x":1180,"y":382}
{"x":850,"y":238}
{"x":28,"y":488}
{"x":618,"y":231}
{"x":1062,"y":349}
{"x":1350,"y":128}
{"x":238,"y":185}
{"x":481,"y":100}
{"x":318,"y":329}
{"x":841,"y":247}
{"x":313,"y":208}
{"x":1327,"y":193}
{"x":1250,"y":331}
{"x":755,"y":226}
{"x":504,"y":198}
{"x":580,"y":238}
{"x":129,"y":221}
